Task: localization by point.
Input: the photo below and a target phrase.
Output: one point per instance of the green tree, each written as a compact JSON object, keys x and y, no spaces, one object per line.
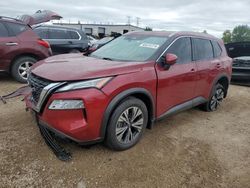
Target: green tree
{"x":241,"y":33}
{"x":227,"y":36}
{"x":148,"y":29}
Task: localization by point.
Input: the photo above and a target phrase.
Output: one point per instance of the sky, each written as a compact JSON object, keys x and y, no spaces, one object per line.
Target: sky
{"x":214,"y":16}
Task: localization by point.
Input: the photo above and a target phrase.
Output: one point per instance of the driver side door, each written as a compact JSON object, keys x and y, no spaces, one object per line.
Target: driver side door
{"x":177,"y":84}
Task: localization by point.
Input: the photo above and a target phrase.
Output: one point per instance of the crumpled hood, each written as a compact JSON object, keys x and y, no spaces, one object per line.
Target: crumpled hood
{"x":72,"y":67}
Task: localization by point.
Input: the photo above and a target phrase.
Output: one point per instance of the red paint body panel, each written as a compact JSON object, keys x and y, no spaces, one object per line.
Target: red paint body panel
{"x":73,"y":122}
{"x":175,"y":86}
{"x":82,"y":67}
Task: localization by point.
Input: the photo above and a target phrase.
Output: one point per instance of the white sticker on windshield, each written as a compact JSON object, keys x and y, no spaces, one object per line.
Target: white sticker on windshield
{"x":148,"y":45}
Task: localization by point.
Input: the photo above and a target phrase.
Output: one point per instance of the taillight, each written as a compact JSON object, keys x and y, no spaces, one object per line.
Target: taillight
{"x":43,"y":43}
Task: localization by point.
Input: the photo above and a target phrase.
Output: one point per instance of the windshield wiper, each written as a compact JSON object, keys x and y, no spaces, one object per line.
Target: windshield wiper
{"x":106,"y":58}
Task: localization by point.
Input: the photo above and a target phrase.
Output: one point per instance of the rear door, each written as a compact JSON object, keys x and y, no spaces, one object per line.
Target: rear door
{"x":60,"y":40}
{"x":176,"y":85}
{"x":8,"y":44}
{"x":204,"y":58}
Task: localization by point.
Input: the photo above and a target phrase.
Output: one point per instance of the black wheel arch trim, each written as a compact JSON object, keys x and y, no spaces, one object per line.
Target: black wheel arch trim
{"x":121,"y":96}
{"x":216,"y":80}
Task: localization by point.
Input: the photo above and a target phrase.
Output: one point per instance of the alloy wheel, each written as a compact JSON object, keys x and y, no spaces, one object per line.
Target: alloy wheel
{"x":24,"y":68}
{"x":129,"y":125}
{"x":216,"y":99}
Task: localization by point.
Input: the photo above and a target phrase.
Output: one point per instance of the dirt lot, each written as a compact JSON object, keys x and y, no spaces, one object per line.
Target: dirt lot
{"x":191,"y":149}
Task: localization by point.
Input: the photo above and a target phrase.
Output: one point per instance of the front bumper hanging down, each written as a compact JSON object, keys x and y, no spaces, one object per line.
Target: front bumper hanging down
{"x":50,"y":140}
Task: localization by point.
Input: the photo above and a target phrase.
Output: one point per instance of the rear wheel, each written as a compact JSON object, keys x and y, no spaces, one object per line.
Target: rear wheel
{"x":127,"y":124}
{"x":21,"y":67}
{"x":216,"y":98}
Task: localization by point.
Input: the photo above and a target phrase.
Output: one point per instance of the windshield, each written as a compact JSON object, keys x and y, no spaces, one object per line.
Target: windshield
{"x":130,"y":48}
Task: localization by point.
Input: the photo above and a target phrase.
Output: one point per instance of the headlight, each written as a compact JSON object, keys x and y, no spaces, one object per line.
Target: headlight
{"x":66,"y":104}
{"x":96,"y":83}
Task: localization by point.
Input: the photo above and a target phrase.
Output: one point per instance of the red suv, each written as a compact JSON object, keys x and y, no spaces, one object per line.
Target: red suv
{"x":20,"y":47}
{"x":116,"y":92}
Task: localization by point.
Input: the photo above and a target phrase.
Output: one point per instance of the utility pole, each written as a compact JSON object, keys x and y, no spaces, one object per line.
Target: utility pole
{"x":129,"y":18}
{"x":138,"y":21}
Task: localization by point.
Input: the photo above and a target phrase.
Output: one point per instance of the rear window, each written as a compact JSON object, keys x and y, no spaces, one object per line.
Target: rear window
{"x":202,"y":49}
{"x":3,"y":31}
{"x":217,"y":49}
{"x":16,"y":29}
{"x":42,"y":32}
{"x":59,"y":34}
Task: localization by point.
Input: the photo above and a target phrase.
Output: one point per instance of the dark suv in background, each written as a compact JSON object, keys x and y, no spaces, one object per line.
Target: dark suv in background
{"x":20,"y":48}
{"x":63,"y":39}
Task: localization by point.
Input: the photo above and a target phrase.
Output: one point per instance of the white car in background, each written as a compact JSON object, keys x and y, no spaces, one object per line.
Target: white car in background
{"x":92,"y":40}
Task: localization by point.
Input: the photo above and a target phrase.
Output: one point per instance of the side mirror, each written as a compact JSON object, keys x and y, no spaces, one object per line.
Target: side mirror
{"x":170,"y":59}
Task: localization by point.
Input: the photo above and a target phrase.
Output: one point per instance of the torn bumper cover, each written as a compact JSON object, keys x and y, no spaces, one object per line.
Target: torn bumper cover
{"x":48,"y":136}
{"x":50,"y":140}
{"x":22,"y":91}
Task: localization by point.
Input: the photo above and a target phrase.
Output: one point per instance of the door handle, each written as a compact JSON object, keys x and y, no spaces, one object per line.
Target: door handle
{"x":218,"y":65}
{"x":70,"y":42}
{"x":192,"y":70}
{"x":11,"y":44}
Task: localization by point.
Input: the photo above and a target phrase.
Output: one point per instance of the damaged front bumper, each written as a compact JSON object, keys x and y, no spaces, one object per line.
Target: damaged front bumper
{"x":50,"y":140}
{"x":22,"y":91}
{"x":48,"y":136}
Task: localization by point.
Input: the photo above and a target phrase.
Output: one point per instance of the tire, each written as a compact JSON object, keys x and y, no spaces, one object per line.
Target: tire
{"x":123,"y":133}
{"x":20,"y":68}
{"x":215,"y":99}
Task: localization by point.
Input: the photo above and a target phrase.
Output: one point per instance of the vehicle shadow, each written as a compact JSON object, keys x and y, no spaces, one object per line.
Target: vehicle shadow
{"x":6,"y":77}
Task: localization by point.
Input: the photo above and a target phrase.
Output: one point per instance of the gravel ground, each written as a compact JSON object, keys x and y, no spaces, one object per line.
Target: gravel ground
{"x":191,"y":149}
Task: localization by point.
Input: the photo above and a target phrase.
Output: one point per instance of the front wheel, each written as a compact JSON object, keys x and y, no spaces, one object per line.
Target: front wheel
{"x":216,"y":98}
{"x":127,"y":124}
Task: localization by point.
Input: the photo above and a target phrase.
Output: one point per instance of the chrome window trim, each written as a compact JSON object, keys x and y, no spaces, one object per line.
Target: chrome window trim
{"x":45,"y":93}
{"x":183,"y":36}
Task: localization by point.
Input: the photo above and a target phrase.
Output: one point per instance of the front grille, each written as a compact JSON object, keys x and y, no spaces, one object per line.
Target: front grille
{"x":241,"y":63}
{"x":37,"y":84}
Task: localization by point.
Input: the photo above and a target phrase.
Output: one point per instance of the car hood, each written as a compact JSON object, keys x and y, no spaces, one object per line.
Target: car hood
{"x":73,"y":67}
{"x":40,"y":16}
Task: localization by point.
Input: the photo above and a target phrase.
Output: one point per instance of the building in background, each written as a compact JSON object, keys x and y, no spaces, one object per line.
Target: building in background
{"x":102,"y":30}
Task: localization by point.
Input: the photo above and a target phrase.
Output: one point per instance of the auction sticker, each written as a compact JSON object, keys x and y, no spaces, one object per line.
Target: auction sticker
{"x":149,"y":45}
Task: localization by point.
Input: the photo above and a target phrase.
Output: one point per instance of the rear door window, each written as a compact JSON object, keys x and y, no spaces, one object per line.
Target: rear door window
{"x":42,"y":32}
{"x":59,"y":34}
{"x":217,"y":49}
{"x":16,"y":29}
{"x":74,"y":35}
{"x":3,"y":31}
{"x":182,"y":48}
{"x":202,"y":49}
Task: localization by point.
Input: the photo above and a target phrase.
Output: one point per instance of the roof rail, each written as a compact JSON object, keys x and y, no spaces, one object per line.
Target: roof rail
{"x":9,"y":18}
